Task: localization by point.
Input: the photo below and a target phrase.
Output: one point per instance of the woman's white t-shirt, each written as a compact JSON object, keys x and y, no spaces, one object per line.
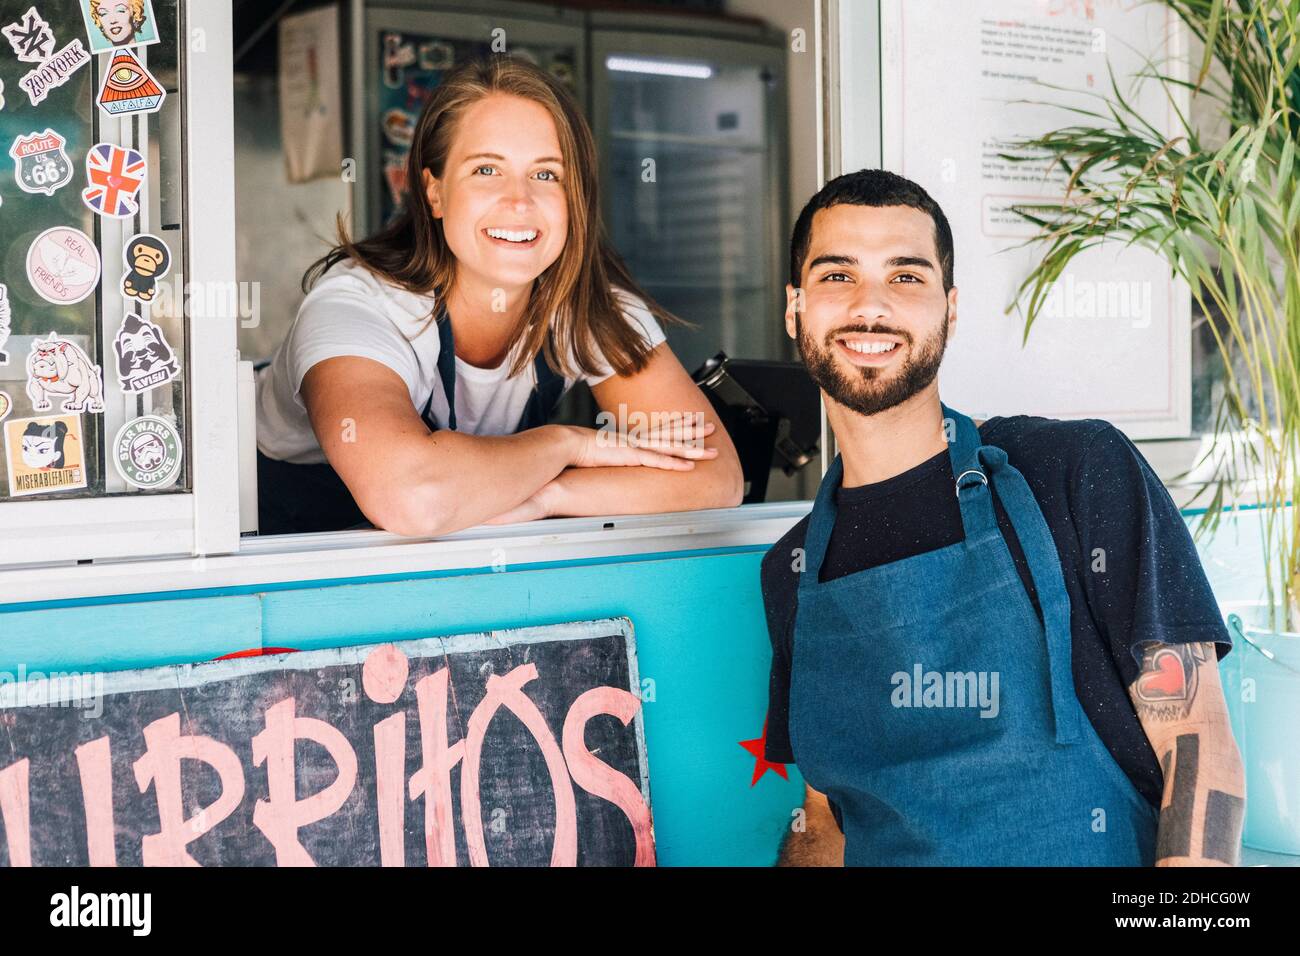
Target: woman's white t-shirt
{"x":350,"y":311}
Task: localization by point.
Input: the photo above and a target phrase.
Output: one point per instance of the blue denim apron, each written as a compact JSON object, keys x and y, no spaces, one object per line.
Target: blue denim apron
{"x":295,"y":499}
{"x":919,"y":775}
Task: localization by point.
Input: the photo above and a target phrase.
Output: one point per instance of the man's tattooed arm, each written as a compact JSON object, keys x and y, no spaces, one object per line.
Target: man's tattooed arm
{"x":1180,"y":703}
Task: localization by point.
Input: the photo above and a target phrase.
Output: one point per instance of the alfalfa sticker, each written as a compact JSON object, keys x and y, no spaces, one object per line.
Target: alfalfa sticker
{"x":129,"y":88}
{"x":58,"y":368}
{"x":144,"y":359}
{"x":41,"y":164}
{"x":147,"y":452}
{"x":44,"y":455}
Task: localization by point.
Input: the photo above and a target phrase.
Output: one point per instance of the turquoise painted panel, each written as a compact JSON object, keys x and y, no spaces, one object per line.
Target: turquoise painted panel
{"x":126,"y":636}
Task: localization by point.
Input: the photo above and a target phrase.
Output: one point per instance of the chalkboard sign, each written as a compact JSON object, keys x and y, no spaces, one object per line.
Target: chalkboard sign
{"x":522,"y":747}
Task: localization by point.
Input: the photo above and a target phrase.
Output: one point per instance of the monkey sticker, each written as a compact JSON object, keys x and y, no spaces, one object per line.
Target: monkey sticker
{"x":58,"y":368}
{"x":147,"y":260}
{"x":144,"y":359}
{"x":44,"y":455}
{"x":147,"y":452}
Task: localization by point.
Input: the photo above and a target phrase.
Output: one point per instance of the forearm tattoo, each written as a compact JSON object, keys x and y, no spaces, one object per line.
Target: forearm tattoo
{"x":1166,"y":687}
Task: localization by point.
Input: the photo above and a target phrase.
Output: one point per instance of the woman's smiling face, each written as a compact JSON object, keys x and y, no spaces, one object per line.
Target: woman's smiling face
{"x":115,"y":21}
{"x":501,"y":197}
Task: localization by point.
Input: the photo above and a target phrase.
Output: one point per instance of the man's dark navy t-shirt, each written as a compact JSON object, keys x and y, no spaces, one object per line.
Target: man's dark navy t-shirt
{"x":1130,"y":566}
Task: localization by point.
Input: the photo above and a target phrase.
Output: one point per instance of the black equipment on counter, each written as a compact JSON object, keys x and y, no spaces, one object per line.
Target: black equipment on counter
{"x":771,"y":410}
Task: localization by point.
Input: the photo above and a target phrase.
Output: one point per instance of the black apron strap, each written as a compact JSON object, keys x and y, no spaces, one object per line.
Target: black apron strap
{"x":546,"y":394}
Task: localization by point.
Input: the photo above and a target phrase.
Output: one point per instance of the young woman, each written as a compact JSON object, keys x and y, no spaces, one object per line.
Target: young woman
{"x":414,"y":386}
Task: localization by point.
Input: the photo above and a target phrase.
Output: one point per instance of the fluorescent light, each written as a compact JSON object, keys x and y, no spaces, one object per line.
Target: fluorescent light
{"x":632,"y":64}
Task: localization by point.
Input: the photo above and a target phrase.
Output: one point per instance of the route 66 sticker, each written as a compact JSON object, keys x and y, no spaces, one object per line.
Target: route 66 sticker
{"x":40,"y":163}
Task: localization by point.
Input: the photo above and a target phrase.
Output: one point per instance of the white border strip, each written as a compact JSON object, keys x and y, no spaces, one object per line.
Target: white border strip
{"x":348,"y":554}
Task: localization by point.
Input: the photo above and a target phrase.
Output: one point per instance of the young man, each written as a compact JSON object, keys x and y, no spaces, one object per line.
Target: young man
{"x":992,"y":644}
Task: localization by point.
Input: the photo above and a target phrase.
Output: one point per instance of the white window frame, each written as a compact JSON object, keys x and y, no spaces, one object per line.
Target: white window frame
{"x":204,"y":520}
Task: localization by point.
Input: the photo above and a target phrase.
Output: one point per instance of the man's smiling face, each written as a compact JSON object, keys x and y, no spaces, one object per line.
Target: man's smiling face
{"x":875,"y":318}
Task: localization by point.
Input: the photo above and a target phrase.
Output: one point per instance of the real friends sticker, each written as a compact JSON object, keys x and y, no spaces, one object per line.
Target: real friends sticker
{"x":6,"y":318}
{"x":147,"y":452}
{"x":44,"y":455}
{"x":63,"y":265}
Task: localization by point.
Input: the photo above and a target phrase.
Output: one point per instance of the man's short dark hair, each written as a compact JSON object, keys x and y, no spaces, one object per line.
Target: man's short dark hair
{"x":870,"y":187}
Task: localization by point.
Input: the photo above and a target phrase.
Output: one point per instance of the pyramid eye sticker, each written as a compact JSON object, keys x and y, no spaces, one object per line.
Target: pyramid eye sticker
{"x":129,"y":88}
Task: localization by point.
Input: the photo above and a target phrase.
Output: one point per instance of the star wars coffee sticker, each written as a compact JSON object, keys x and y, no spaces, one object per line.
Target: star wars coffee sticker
{"x":144,"y":359}
{"x":147,"y":452}
{"x":63,"y":265}
{"x":6,"y":317}
{"x":114,"y":24}
{"x":40,"y":163}
{"x":6,"y":405}
{"x":54,"y":72}
{"x":115,"y":175}
{"x":44,"y":455}
{"x":147,"y":261}
{"x":58,"y":369}
{"x":31,"y":37}
{"x":129,"y":88}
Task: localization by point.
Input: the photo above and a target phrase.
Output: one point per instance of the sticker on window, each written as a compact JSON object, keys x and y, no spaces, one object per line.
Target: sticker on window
{"x":129,"y":88}
{"x":144,"y":359}
{"x":57,"y":368}
{"x":6,"y":405}
{"x":54,"y":72}
{"x":63,"y":265}
{"x":31,"y":37}
{"x":147,"y":261}
{"x":114,"y":24}
{"x":44,"y":455}
{"x":40,"y":163}
{"x":116,"y":176}
{"x":147,"y":452}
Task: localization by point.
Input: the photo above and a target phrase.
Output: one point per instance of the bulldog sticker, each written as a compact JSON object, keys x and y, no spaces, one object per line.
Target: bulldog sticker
{"x":58,"y":368}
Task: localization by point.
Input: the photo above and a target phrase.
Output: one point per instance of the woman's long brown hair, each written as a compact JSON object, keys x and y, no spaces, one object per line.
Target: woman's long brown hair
{"x":574,"y":299}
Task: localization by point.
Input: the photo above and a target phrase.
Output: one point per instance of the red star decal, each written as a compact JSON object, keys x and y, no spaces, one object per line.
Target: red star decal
{"x":761,"y":764}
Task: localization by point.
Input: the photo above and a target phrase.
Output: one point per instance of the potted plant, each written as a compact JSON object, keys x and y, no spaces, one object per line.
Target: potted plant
{"x":1225,"y":216}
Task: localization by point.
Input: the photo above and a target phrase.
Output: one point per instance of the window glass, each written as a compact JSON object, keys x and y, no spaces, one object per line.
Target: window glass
{"x":92,"y":331}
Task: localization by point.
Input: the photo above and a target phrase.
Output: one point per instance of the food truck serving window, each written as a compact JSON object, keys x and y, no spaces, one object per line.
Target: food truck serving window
{"x":103,"y":322}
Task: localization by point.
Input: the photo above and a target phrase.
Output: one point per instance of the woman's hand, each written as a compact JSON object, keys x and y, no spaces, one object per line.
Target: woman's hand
{"x":673,"y":448}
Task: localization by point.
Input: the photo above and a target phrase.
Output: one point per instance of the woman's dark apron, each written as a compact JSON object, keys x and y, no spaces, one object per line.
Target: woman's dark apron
{"x":294,"y":498}
{"x":886,"y":712}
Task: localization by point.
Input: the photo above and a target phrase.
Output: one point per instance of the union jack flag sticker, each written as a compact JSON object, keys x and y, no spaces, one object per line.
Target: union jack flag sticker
{"x":115,"y":175}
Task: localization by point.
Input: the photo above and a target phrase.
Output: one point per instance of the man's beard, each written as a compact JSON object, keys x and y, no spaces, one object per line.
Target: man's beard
{"x":869,"y":392}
